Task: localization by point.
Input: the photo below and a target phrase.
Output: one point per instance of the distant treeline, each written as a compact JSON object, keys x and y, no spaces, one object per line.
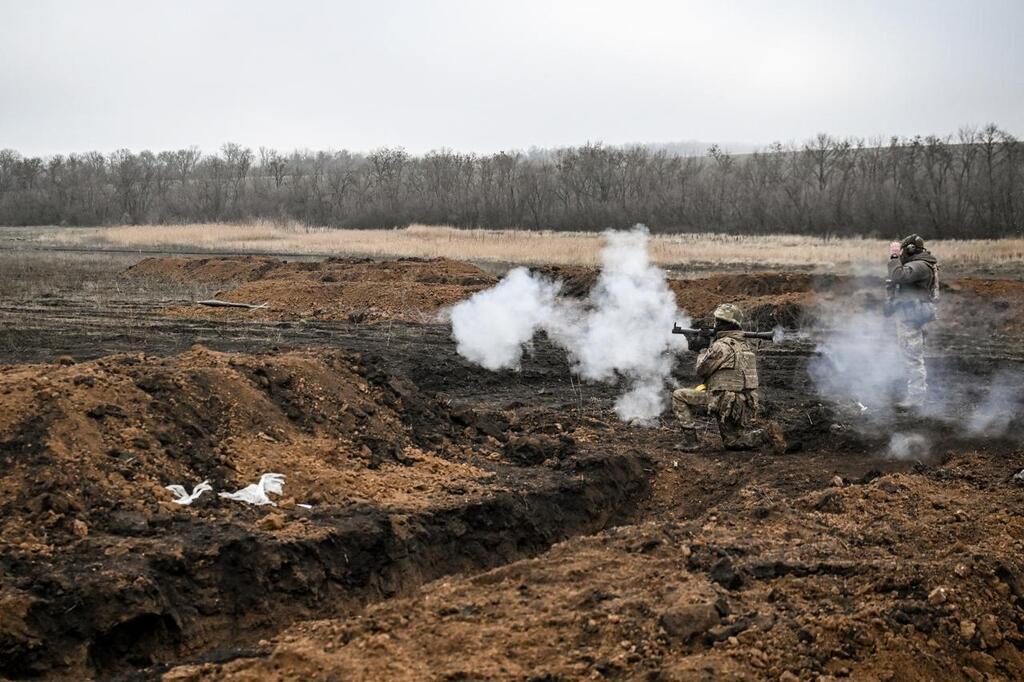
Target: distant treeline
{"x":966,"y":185}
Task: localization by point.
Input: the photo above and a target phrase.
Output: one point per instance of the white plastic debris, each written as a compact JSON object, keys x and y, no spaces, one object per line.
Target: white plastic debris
{"x":304,"y":506}
{"x":1019,"y":476}
{"x":257,"y":492}
{"x":182,"y":497}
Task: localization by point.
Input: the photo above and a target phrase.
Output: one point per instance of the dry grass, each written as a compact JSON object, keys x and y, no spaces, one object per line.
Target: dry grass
{"x":516,"y":246}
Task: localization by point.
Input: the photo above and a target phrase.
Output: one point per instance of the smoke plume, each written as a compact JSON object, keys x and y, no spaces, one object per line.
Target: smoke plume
{"x":492,"y":328}
{"x":622,"y":330}
{"x":859,"y":361}
{"x":908,"y":446}
{"x":1000,"y":408}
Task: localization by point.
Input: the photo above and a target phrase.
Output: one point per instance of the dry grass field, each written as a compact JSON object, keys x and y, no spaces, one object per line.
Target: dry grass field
{"x":517,"y":246}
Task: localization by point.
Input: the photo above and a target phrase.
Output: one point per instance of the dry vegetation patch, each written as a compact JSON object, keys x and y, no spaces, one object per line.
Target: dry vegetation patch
{"x":520,"y":246}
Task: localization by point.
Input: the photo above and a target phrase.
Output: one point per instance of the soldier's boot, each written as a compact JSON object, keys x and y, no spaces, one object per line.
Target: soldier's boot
{"x":688,"y":441}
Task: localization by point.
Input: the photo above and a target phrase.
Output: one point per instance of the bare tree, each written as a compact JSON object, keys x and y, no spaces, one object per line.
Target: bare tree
{"x":968,"y":185}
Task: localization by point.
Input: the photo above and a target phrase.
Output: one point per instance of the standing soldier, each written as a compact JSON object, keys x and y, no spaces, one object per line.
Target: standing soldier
{"x":728,"y":368}
{"x":913,"y":290}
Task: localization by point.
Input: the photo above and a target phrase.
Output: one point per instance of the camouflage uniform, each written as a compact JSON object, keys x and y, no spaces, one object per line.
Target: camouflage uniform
{"x":916,"y":278}
{"x":729,"y":369}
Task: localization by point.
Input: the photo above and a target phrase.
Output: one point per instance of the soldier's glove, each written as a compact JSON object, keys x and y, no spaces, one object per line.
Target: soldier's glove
{"x":894,"y":249}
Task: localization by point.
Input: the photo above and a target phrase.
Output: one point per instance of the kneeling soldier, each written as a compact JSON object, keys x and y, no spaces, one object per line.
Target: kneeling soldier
{"x":728,"y":368}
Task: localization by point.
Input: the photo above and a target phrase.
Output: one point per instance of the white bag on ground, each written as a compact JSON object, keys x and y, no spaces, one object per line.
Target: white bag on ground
{"x":257,"y":492}
{"x":182,"y":497}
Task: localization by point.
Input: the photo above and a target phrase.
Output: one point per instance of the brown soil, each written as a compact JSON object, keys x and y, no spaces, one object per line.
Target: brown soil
{"x":795,"y":300}
{"x":768,"y":298}
{"x":109,"y":434}
{"x":438,"y":490}
{"x":901,"y":576}
{"x":213,"y":270}
{"x":86,"y":450}
{"x":984,"y":304}
{"x":408,"y":289}
{"x":418,"y":290}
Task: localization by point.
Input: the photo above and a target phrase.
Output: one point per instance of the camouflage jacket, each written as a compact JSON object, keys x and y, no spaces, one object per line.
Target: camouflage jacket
{"x":729,"y":364}
{"x":915,"y":277}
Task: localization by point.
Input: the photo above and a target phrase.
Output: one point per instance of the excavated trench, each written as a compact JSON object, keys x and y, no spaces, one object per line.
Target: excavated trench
{"x":205,"y":592}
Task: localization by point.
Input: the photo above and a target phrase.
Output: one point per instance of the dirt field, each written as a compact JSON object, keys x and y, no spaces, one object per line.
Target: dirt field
{"x":439,"y":521}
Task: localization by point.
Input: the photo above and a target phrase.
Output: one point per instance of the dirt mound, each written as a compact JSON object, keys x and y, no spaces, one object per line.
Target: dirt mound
{"x":795,"y":300}
{"x":577,"y":280}
{"x":769,"y":299}
{"x":417,"y":290}
{"x":99,"y":569}
{"x":365,"y":290}
{"x":219,"y":270}
{"x":81,"y":444}
{"x":86,"y":450}
{"x":792,"y":300}
{"x":894,"y":576}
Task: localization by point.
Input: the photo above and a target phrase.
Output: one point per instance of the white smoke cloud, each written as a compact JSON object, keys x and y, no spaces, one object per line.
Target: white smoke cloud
{"x":492,"y":328}
{"x":1002,"y":406}
{"x":627,"y":328}
{"x":621,"y":331}
{"x":858,"y":360}
{"x":908,"y":446}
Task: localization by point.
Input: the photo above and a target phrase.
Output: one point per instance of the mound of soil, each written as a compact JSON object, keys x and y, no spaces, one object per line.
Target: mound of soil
{"x":795,"y":300}
{"x":909,"y":576}
{"x":386,"y":486}
{"x":768,"y":299}
{"x":409,"y":289}
{"x":417,"y":290}
{"x":218,"y":270}
{"x":577,"y":280}
{"x":81,"y":444}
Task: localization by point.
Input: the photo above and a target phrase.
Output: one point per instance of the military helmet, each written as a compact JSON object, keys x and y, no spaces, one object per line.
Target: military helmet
{"x":729,"y":313}
{"x":912,"y":244}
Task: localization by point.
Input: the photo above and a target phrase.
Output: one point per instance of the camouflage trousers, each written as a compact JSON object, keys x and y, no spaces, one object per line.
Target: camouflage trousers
{"x":911,"y":341}
{"x":737,"y":414}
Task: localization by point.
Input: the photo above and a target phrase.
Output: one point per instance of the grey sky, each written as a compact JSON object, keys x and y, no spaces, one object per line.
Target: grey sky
{"x":478,"y":75}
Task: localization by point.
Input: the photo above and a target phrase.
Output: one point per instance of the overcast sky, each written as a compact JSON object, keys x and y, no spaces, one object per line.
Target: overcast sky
{"x":477,"y":75}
